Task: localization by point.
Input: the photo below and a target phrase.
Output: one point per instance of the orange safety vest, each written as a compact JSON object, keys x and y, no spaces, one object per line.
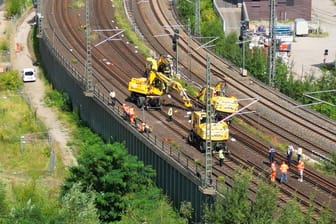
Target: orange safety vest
{"x":300,"y":166}
{"x":125,"y":108}
{"x":273,"y":172}
{"x":131,"y":115}
{"x":284,"y":168}
{"x":131,"y":111}
{"x":273,"y":168}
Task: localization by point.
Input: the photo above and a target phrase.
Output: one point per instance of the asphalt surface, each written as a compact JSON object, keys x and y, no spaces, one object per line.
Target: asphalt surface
{"x":308,"y":52}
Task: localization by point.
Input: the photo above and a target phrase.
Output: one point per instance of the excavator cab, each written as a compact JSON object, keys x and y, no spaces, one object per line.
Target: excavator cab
{"x":197,"y":135}
{"x":165,"y":65}
{"x":151,"y":65}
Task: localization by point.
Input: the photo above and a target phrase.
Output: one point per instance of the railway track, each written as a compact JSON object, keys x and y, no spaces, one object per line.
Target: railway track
{"x":276,"y":109}
{"x":116,"y":76}
{"x":163,"y":25}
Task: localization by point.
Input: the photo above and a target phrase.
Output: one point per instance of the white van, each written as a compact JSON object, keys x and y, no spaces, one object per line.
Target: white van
{"x":28,"y":75}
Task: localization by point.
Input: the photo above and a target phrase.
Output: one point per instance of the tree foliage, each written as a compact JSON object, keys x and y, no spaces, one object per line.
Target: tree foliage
{"x":15,"y":7}
{"x":263,"y":208}
{"x":150,"y":206}
{"x":78,"y":207}
{"x":291,"y":213}
{"x":112,"y":174}
{"x":234,"y":206}
{"x":236,"y":202}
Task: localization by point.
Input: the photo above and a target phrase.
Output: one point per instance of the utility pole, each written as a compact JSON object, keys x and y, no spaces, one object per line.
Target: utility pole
{"x":243,"y":29}
{"x":175,"y":46}
{"x":39,"y":18}
{"x":197,"y":28}
{"x":189,"y":53}
{"x":272,"y":45}
{"x":208,"y":187}
{"x":88,"y":65}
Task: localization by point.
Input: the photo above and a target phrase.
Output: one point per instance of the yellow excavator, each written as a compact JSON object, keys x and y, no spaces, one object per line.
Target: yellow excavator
{"x":146,"y":91}
{"x":197,"y":134}
{"x":222,"y":105}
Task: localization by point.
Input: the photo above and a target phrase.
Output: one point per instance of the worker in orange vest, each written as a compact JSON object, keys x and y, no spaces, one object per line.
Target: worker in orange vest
{"x":300,"y":168}
{"x":125,"y":108}
{"x":273,"y":172}
{"x":284,"y":170}
{"x":131,"y":115}
{"x":142,"y":127}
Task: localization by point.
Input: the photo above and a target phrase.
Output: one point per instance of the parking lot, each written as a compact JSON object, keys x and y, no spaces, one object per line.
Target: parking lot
{"x":308,"y":52}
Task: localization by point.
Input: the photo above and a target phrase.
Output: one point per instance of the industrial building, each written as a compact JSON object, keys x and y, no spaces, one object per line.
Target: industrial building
{"x":285,"y":9}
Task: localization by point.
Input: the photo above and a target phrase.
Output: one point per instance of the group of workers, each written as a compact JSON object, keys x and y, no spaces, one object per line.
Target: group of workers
{"x":130,"y":114}
{"x":286,"y":165}
{"x":144,"y":128}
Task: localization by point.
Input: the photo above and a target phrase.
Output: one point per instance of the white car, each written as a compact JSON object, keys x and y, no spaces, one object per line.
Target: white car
{"x":28,"y":75}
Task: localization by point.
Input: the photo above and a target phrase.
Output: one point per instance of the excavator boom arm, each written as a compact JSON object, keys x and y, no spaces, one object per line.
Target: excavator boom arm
{"x":176,"y":86}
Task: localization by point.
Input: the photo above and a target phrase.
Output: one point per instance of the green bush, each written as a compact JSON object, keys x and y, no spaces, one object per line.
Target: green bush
{"x":10,"y":81}
{"x":16,"y":7}
{"x":57,"y":99}
{"x":4,"y":45}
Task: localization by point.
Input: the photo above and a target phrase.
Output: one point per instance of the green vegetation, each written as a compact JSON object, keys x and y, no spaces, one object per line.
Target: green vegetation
{"x":328,"y":167}
{"x":122,"y":184}
{"x":9,"y":81}
{"x":77,"y":4}
{"x":232,"y":205}
{"x":123,"y":22}
{"x":271,"y":140}
{"x":4,"y":44}
{"x":23,"y":195}
{"x":16,"y":7}
{"x":35,"y":203}
{"x":190,"y":89}
{"x":118,"y":188}
{"x":4,"y":49}
{"x":23,"y":137}
{"x":256,"y":59}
